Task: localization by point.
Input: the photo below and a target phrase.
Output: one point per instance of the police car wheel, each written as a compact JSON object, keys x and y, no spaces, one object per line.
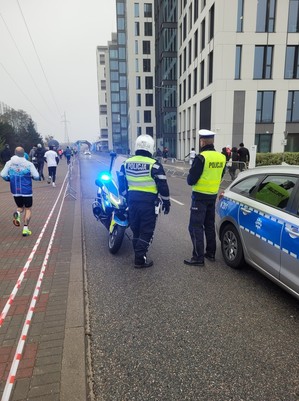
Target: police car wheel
{"x":231,"y":247}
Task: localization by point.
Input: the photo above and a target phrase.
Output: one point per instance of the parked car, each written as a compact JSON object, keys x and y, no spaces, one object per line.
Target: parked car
{"x":87,"y":153}
{"x":257,"y":220}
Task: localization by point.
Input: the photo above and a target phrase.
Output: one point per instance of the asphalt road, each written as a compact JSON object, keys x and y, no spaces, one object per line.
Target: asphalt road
{"x":174,"y":332}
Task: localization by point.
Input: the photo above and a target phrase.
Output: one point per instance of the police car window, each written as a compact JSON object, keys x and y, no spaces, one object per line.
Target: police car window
{"x":275,"y":190}
{"x":246,"y":186}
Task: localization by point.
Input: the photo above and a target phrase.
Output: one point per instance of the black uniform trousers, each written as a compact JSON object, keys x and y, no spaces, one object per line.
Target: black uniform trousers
{"x":142,"y":219}
{"x":202,"y":223}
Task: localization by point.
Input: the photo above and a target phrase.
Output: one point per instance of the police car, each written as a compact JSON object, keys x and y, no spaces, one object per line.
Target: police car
{"x":257,"y":220}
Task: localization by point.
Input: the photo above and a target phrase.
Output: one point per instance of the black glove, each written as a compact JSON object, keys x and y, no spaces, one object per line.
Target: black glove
{"x":166,"y":207}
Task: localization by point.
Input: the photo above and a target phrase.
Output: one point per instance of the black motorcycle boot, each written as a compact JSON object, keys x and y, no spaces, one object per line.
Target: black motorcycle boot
{"x":142,"y":264}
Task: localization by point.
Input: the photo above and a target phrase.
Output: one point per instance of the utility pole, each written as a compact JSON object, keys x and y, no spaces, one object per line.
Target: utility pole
{"x":66,"y":135}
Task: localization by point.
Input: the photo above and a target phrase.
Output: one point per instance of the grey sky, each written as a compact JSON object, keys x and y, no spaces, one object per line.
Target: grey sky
{"x":65,"y":34}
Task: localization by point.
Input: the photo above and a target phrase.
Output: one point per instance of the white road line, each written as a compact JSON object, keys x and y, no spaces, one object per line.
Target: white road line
{"x":176,"y":201}
{"x":23,"y":337}
{"x":11,"y":297}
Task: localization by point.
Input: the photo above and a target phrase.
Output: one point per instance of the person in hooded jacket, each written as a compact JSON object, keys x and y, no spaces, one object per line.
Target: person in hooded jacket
{"x":39,"y":154}
{"x":142,"y":181}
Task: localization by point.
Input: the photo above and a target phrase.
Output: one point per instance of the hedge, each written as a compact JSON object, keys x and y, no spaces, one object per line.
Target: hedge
{"x":267,"y":159}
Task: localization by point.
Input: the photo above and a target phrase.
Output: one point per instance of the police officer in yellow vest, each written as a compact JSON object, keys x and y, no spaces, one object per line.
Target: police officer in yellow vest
{"x":205,"y":176}
{"x":142,"y":179}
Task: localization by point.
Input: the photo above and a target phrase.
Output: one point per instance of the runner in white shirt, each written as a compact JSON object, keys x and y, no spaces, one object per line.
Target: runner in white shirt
{"x":52,"y":160}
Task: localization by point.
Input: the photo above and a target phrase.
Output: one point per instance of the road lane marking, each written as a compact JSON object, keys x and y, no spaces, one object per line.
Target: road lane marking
{"x":23,"y":337}
{"x":176,"y":201}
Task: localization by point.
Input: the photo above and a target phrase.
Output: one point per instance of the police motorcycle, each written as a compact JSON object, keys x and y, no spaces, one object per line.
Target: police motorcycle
{"x":110,"y":208}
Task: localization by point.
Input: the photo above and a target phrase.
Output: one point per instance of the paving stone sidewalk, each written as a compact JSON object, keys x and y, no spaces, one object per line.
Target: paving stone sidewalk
{"x":52,"y":364}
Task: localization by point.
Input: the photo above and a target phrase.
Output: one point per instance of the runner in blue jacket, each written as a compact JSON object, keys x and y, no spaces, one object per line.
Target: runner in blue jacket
{"x":20,"y":172}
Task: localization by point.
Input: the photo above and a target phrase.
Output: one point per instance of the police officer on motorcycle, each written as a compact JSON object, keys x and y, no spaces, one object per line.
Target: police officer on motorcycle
{"x":143,"y":181}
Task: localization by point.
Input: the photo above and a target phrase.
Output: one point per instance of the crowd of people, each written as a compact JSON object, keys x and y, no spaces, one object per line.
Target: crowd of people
{"x":21,"y":168}
{"x":239,"y":158}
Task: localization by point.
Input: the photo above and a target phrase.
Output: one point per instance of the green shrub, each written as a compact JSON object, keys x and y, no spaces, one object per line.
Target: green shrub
{"x":267,"y":159}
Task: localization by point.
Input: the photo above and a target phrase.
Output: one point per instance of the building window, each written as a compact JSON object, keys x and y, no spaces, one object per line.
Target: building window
{"x":136,"y":46}
{"x":102,"y":59}
{"x":210,"y":78}
{"x":189,"y":86}
{"x":190,"y":52}
{"x":293,"y":23}
{"x":136,"y":65}
{"x":137,"y":29}
{"x":149,"y":131}
{"x":265,"y":21}
{"x":184,"y":91}
{"x":147,"y":116}
{"x":120,"y":7}
{"x":103,"y":109}
{"x":195,"y":10}
{"x":240,"y":16}
{"x":203,"y":34}
{"x":292,"y":63}
{"x":202,"y":75}
{"x":138,"y":99}
{"x":138,"y":116}
{"x":190,"y":17}
{"x":148,"y":13}
{"x":263,"y":143}
{"x":103,"y":84}
{"x":212,"y":16}
{"x":138,"y":82}
{"x":265,"y":106}
{"x":185,"y":27}
{"x":195,"y":81}
{"x":293,"y":107}
{"x":195,"y":44}
{"x":238,"y":62}
{"x":139,"y":131}
{"x":263,"y":62}
{"x":185,"y":59}
{"x":120,"y":24}
{"x":123,"y":81}
{"x":146,"y":65}
{"x":136,"y":10}
{"x":146,"y":47}
{"x":148,"y":29}
{"x":149,"y":99}
{"x":121,"y":38}
{"x":149,"y":83}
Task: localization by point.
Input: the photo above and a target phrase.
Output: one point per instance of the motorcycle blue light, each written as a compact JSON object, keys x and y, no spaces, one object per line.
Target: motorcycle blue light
{"x":105,"y":177}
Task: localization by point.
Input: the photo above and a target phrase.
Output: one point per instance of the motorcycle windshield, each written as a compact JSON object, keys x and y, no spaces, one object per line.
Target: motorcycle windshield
{"x":112,"y":188}
{"x":118,"y":161}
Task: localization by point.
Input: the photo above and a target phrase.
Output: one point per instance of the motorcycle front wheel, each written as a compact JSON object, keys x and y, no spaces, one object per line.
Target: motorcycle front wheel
{"x":116,"y":238}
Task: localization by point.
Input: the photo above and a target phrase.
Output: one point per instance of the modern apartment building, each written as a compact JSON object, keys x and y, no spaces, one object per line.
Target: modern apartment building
{"x":231,"y":66}
{"x":140,"y":68}
{"x":166,"y":74}
{"x":239,"y":73}
{"x":104,"y":143}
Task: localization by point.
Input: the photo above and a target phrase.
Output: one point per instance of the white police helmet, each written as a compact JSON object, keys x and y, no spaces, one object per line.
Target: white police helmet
{"x":145,"y":142}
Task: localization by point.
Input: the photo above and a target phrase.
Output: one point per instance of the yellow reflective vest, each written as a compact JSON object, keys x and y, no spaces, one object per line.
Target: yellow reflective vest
{"x":211,"y":176}
{"x":138,"y":174}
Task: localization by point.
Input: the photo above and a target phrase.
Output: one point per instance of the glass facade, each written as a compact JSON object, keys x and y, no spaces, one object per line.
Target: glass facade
{"x":166,"y":73}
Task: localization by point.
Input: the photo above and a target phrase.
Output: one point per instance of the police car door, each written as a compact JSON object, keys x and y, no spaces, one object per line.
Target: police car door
{"x":261,"y":225}
{"x":289,"y":273}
